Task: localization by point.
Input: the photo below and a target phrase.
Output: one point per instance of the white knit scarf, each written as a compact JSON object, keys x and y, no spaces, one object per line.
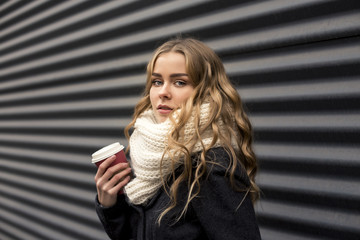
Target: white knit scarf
{"x":147,"y":145}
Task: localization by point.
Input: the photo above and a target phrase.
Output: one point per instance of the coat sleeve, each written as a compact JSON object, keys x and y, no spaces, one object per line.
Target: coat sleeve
{"x":119,"y":220}
{"x":218,"y":206}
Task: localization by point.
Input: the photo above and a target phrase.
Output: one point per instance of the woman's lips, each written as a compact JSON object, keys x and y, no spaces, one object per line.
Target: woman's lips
{"x":163,"y":109}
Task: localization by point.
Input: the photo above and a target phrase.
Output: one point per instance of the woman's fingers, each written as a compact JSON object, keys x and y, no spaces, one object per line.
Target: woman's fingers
{"x":117,"y":173}
{"x":119,"y":185}
{"x":104,"y":166}
{"x":104,"y":176}
{"x":111,"y":179}
{"x":111,"y":182}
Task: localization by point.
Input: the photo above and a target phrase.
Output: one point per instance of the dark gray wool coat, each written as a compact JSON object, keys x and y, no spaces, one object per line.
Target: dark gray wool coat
{"x":213,"y":214}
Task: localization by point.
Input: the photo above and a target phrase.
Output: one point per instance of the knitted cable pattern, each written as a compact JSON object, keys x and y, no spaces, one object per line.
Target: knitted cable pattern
{"x":147,"y":145}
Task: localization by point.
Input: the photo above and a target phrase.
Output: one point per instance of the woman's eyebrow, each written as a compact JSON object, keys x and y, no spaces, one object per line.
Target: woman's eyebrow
{"x":179,"y":75}
{"x":156,"y":74}
{"x":172,"y":75}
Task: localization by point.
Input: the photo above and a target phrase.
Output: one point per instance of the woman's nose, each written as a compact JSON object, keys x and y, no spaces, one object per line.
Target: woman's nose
{"x":165,"y":91}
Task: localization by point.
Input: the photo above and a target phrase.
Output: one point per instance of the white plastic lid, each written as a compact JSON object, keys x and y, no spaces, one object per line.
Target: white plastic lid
{"x":106,"y":152}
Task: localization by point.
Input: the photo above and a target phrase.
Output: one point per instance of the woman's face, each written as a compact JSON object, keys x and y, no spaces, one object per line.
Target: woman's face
{"x":171,"y":85}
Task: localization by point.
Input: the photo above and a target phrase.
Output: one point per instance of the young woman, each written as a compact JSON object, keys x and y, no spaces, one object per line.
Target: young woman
{"x":192,"y":173}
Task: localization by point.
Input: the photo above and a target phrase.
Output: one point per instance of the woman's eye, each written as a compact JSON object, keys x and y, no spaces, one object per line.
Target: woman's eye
{"x":180,"y":83}
{"x":156,"y":82}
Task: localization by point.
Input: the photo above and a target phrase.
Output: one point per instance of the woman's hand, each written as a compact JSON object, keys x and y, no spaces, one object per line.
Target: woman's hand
{"x":110,"y":180}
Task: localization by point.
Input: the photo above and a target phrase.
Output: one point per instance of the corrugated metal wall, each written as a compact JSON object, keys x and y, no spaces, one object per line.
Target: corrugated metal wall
{"x":71,"y":72}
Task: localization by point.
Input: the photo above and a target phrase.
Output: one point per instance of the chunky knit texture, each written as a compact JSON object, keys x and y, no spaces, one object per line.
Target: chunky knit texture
{"x":147,"y":145}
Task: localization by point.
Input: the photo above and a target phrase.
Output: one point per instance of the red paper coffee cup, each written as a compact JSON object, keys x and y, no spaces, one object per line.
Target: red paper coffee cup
{"x":113,"y":149}
{"x":101,"y":155}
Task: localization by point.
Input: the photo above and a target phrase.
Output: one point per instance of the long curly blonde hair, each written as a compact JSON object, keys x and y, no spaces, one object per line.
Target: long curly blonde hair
{"x":212,"y":85}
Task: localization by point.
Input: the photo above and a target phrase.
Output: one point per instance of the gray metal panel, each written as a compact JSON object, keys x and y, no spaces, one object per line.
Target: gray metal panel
{"x":72,"y":71}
